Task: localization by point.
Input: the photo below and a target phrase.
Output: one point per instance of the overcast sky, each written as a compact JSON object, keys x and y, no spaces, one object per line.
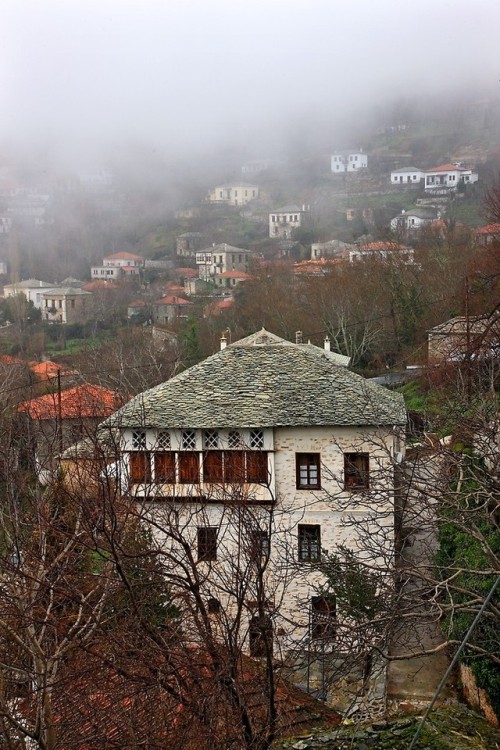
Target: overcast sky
{"x":181,"y":72}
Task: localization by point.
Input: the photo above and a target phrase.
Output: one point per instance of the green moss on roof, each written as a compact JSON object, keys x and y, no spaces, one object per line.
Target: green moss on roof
{"x":263,"y":381}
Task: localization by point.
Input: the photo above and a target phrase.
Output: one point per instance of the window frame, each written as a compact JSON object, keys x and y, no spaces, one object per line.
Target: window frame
{"x":323,"y":617}
{"x":308,"y":460}
{"x":140,"y":473}
{"x":206,"y":543}
{"x":309,"y":542}
{"x":352,"y":471}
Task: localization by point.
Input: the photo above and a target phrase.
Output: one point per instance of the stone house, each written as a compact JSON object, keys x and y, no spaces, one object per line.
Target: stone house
{"x":462,"y":337}
{"x":284,"y":220}
{"x":54,"y":421}
{"x":279,"y":433}
{"x":169,"y":309}
{"x":413,"y":219}
{"x":221,"y":259}
{"x":66,"y":305}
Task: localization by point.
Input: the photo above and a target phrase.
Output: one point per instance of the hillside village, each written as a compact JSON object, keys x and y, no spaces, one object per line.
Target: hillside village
{"x":252,"y":470}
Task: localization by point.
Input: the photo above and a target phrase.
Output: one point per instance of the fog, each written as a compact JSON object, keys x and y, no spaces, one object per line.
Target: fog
{"x":187,"y":76}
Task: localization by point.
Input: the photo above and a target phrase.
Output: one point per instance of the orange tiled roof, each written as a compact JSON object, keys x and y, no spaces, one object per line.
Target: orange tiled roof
{"x":81,"y":401}
{"x":447,"y":168}
{"x":234,"y":275}
{"x":93,"y":286}
{"x":47,"y":370}
{"x":489,"y":229}
{"x":171,"y":300}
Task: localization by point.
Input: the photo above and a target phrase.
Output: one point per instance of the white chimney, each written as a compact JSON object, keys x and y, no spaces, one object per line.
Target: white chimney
{"x":327,"y":343}
{"x":223,"y":342}
{"x":298,"y":337}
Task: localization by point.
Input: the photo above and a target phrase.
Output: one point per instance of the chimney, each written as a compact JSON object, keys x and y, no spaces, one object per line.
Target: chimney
{"x":223,"y":342}
{"x":298,"y":337}
{"x":327,"y":343}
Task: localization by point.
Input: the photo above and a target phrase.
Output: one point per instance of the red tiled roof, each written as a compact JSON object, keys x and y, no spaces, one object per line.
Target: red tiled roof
{"x":489,"y":229}
{"x":188,"y":273}
{"x":93,"y":286}
{"x":137,"y":303}
{"x":447,"y":168}
{"x":47,"y":370}
{"x":382,"y":246}
{"x":171,"y":300}
{"x":81,"y":401}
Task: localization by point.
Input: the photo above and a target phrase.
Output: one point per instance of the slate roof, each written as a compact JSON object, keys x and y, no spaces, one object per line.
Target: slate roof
{"x":263,"y":381}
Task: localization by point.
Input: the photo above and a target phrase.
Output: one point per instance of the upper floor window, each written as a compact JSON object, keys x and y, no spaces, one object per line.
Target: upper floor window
{"x":256,"y":439}
{"x":211,"y":439}
{"x":234,"y":439}
{"x":163,"y":440}
{"x":189,"y":467}
{"x":308,"y":471}
{"x":356,"y":471}
{"x":165,"y":467}
{"x":139,"y":440}
{"x":140,"y":467}
{"x":188,"y":440}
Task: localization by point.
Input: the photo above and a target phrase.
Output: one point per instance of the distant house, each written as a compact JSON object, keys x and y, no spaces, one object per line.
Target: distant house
{"x":448,"y":177}
{"x":330,"y":249}
{"x":382,"y":251}
{"x":258,"y":165}
{"x":32,"y":289}
{"x":118,"y":266}
{"x":407,"y":176}
{"x":169,"y":309}
{"x":488,"y":234}
{"x":234,"y":194}
{"x":413,"y":219}
{"x":66,"y":305}
{"x":229,"y":279}
{"x":348,"y":161}
{"x":136,"y":310}
{"x":284,"y":220}
{"x":55,"y":421}
{"x":221,"y":259}
{"x":461,"y":337}
{"x":188,"y":243}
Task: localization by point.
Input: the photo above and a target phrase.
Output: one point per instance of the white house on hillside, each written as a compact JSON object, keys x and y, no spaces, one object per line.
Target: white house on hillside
{"x":448,"y":177}
{"x":234,"y":194}
{"x":221,"y":259}
{"x":118,"y":265}
{"x":32,"y":289}
{"x":414,"y":219}
{"x":348,"y":161}
{"x":284,"y":220}
{"x":265,"y":451}
{"x":407,"y":176}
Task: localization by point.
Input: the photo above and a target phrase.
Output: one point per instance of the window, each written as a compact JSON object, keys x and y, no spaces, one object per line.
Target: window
{"x":163,"y":441}
{"x":213,"y":606}
{"x":257,"y":470}
{"x":308,"y":474}
{"x":323,"y":616}
{"x":189,"y":468}
{"x":309,"y":542}
{"x":256,"y":439}
{"x":139,"y":439}
{"x":140,"y":467}
{"x":213,"y":470}
{"x":165,"y":467}
{"x":356,"y":471}
{"x":234,"y":469}
{"x":260,"y":636}
{"x":207,"y":543}
{"x":211,"y":439}
{"x":188,"y":440}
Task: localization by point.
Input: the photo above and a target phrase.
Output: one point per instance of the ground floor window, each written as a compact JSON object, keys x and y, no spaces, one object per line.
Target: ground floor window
{"x":323,"y":616}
